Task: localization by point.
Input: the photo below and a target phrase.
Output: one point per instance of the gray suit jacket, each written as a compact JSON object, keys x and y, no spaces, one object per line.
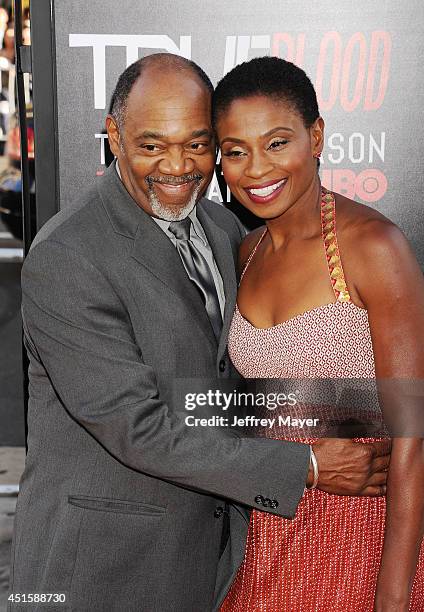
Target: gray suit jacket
{"x":118,"y":500}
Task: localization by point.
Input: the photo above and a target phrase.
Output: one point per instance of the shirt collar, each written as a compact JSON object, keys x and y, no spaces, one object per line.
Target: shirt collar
{"x":196,"y":226}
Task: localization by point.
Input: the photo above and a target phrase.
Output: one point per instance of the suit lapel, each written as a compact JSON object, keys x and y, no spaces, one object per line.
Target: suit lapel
{"x":222,"y":251}
{"x":152,"y":248}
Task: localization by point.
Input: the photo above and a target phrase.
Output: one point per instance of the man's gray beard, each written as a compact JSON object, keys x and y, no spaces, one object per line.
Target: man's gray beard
{"x":168,"y":214}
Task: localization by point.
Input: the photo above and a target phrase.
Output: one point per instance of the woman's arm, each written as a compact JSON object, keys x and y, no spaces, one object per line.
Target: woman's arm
{"x":404,"y":526}
{"x":390,"y":284}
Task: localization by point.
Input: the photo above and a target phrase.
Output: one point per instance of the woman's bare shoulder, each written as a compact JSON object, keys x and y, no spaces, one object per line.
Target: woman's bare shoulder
{"x":373,"y":246}
{"x":364,"y":226}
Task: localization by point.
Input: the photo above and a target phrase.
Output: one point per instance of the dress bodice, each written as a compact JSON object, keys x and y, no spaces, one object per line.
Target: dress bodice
{"x":329,"y":341}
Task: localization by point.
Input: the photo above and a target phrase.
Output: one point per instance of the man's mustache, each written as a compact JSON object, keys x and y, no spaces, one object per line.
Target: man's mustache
{"x":174,"y":180}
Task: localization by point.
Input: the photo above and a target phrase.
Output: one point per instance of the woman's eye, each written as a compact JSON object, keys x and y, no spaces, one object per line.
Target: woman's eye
{"x":278,"y":144}
{"x":233,"y":154}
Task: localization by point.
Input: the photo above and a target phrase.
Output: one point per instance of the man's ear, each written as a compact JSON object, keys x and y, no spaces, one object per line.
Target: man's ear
{"x":317,"y":136}
{"x":114,"y":135}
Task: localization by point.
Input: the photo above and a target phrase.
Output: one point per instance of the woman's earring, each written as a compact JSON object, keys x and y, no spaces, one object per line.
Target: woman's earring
{"x":317,"y":155}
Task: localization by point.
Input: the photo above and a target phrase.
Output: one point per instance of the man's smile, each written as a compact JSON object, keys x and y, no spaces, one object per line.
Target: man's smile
{"x":174,"y":185}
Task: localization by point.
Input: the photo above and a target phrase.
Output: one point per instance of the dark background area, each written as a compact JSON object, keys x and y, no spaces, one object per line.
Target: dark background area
{"x":11,"y":385}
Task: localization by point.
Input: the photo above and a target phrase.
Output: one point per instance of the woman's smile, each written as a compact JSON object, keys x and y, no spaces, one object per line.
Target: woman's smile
{"x":266,"y":192}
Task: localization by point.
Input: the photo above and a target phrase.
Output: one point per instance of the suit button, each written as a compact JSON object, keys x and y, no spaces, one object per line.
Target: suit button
{"x":267,"y":502}
{"x":219,"y":511}
{"x":274,"y":503}
{"x":222,"y":365}
{"x":259,"y":500}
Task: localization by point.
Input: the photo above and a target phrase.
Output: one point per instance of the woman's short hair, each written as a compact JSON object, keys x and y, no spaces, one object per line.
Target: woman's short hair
{"x":267,"y":76}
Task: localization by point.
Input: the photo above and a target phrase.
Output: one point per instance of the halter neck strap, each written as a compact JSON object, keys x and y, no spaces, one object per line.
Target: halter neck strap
{"x":331,"y":247}
{"x":249,"y":259}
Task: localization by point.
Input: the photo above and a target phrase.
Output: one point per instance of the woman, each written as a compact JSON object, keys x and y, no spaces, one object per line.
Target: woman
{"x":320,"y":299}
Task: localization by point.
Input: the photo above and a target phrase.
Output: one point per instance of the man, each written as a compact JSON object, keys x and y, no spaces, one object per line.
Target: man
{"x":122,"y":506}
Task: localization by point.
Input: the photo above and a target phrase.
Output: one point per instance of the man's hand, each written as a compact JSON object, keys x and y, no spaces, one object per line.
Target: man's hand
{"x":351,"y":468}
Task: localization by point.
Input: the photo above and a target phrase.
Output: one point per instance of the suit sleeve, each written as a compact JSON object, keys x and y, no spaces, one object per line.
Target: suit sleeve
{"x":83,"y":336}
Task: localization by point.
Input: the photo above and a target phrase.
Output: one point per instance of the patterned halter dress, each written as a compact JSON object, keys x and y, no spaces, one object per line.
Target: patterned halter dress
{"x":327,"y":558}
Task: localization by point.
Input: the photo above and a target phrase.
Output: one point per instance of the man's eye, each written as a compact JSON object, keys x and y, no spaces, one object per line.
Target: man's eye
{"x":152,"y":148}
{"x":198,"y":146}
{"x":278,"y":144}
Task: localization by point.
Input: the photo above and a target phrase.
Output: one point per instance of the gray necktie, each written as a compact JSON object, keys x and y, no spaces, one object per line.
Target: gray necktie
{"x":198,"y":272}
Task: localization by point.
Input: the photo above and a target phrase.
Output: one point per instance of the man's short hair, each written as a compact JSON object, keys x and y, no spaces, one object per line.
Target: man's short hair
{"x":119,"y":100}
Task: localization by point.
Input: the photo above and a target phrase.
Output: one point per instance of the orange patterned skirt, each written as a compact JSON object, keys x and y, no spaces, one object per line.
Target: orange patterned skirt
{"x":324,"y":560}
